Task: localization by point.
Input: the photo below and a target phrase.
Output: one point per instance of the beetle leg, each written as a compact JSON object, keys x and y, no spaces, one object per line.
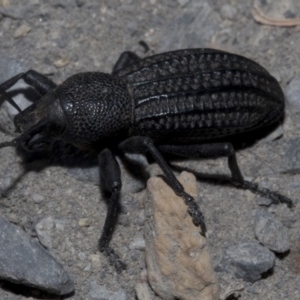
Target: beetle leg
{"x":125,"y":59}
{"x":225,"y":149}
{"x":39,"y":81}
{"x":111,"y":174}
{"x":141,"y":144}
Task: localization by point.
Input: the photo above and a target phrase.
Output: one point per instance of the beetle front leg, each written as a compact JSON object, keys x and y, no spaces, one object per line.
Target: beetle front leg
{"x":39,"y":81}
{"x":225,"y":150}
{"x":111,"y":174}
{"x":141,"y":144}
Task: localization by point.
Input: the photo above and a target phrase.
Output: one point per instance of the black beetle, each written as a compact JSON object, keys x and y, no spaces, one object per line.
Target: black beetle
{"x":175,"y":102}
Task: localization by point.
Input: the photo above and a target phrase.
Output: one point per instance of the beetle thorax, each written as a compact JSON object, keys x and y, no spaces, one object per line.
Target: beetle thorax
{"x":96,"y":106}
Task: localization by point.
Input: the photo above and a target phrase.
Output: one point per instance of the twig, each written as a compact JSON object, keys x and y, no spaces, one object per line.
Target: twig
{"x":260,"y":17}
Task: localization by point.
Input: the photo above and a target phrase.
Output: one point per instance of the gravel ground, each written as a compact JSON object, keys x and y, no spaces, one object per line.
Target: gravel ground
{"x":61,"y":38}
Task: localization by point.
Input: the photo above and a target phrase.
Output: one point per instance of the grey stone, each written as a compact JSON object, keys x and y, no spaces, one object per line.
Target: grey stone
{"x":80,"y":3}
{"x":143,"y":291}
{"x":292,"y":92}
{"x":247,"y":261}
{"x":183,"y":2}
{"x":24,"y":261}
{"x":101,"y":292}
{"x":183,"y":31}
{"x":271,"y":232}
{"x":291,"y":161}
{"x":138,"y":242}
{"x":37,"y":198}
{"x":13,"y":12}
{"x":87,"y":174}
{"x":263,"y":201}
{"x":47,"y":228}
{"x":228,"y":11}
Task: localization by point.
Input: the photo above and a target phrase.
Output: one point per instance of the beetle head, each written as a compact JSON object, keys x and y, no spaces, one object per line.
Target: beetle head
{"x":39,"y":124}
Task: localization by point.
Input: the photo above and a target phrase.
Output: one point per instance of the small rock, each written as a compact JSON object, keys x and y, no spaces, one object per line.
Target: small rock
{"x":5,"y":3}
{"x":24,"y":261}
{"x":143,"y":291}
{"x":141,"y":218}
{"x":292,"y":92}
{"x":13,"y":12}
{"x":22,"y":30}
{"x":37,"y":198}
{"x":247,"y":261}
{"x":249,"y":195}
{"x":228,"y":11}
{"x":137,"y":243}
{"x":142,"y":288}
{"x":101,"y":292}
{"x":183,"y":2}
{"x":177,"y":256}
{"x":48,"y":228}
{"x":80,"y":3}
{"x":90,"y":174}
{"x":263,"y":201}
{"x":84,"y":222}
{"x":62,"y":62}
{"x":271,"y":232}
{"x":291,"y":159}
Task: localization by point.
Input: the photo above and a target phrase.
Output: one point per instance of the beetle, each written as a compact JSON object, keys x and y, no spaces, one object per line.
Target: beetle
{"x":175,"y":102}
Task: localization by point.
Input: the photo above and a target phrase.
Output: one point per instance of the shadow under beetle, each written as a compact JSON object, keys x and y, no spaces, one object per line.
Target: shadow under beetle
{"x":175,"y":102}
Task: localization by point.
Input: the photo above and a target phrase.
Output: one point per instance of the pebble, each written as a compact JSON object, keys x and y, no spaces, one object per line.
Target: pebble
{"x":228,"y":11}
{"x":24,"y":261}
{"x":183,"y":2}
{"x":47,"y":228}
{"x":271,"y":232}
{"x":101,"y":292}
{"x":263,"y":201}
{"x":292,"y":92}
{"x":84,"y":222}
{"x":22,"y":31}
{"x":37,"y":198}
{"x":247,"y":261}
{"x":137,"y":243}
{"x":62,"y":62}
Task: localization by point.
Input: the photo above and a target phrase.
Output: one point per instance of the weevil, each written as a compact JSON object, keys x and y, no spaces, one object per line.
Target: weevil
{"x":175,"y":102}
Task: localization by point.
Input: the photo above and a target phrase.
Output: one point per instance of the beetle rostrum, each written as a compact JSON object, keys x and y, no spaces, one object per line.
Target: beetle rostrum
{"x":175,"y":102}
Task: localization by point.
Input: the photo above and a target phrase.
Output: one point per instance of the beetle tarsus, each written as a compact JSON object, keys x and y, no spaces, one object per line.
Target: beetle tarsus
{"x":194,"y":211}
{"x":264,"y":192}
{"x":114,"y":259}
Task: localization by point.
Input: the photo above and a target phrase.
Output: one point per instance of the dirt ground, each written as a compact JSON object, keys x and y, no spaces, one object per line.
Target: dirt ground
{"x":61,"y":38}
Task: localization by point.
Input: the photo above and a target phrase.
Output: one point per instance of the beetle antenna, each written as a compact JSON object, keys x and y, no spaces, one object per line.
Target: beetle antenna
{"x":13,"y":143}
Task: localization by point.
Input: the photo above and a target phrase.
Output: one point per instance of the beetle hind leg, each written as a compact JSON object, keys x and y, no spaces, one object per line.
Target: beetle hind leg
{"x":111,"y":174}
{"x":215,"y":150}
